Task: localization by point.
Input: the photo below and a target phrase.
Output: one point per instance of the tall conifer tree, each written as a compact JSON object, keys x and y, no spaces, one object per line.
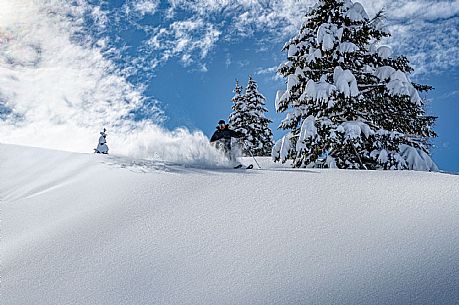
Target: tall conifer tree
{"x":349,"y":102}
{"x":249,"y":118}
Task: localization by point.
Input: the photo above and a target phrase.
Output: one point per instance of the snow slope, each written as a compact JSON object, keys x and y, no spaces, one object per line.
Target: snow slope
{"x":92,"y":229}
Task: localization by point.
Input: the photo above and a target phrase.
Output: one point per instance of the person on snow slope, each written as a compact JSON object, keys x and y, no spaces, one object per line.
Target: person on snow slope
{"x":222,"y":139}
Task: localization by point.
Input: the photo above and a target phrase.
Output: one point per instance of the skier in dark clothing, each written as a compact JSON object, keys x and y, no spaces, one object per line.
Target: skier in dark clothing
{"x":222,"y":137}
{"x":223,"y":132}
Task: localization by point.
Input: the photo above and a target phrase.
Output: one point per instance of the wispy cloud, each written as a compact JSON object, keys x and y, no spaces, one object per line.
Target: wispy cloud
{"x":247,"y":17}
{"x":278,"y":18}
{"x":145,"y":7}
{"x":266,"y":70}
{"x":270,"y":71}
{"x":184,"y":39}
{"x":425,"y":31}
{"x":192,"y":28}
{"x":426,"y":10}
{"x":431,"y":46}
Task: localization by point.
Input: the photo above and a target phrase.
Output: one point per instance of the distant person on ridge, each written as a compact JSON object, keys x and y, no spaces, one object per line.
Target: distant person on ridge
{"x":223,"y":137}
{"x":102,"y":147}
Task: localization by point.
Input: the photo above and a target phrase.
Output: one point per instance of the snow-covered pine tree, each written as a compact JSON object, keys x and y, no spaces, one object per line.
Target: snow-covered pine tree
{"x":349,"y":102}
{"x":248,"y":117}
{"x":102,"y":147}
{"x":239,"y":115}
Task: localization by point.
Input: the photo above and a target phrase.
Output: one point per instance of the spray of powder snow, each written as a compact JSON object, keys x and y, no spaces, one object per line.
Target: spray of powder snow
{"x":59,"y":92}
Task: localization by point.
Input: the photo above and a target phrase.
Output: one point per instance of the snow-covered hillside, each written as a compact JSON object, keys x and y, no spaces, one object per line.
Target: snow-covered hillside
{"x":92,"y":229}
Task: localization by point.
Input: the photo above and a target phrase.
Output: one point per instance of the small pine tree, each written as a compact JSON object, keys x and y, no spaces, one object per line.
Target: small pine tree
{"x":102,"y":147}
{"x":239,"y":115}
{"x":349,"y":103}
{"x":249,"y":119}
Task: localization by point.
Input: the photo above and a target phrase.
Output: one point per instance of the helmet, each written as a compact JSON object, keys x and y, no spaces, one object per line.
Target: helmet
{"x":221,"y":122}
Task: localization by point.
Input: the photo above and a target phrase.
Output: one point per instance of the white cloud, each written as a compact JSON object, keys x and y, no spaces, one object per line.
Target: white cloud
{"x":192,"y":38}
{"x":270,"y":71}
{"x":228,"y":60}
{"x":185,"y":39}
{"x":280,"y":19}
{"x":41,"y":65}
{"x":266,"y":70}
{"x":145,"y":7}
{"x":429,"y":10}
{"x":248,"y":16}
{"x":425,"y":31}
{"x":201,"y":7}
{"x":431,"y":46}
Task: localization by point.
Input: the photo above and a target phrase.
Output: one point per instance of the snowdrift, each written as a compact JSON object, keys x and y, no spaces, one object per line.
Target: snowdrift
{"x":92,"y":229}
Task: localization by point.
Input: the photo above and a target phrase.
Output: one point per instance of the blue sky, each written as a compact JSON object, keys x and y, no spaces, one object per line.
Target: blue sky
{"x":180,"y":58}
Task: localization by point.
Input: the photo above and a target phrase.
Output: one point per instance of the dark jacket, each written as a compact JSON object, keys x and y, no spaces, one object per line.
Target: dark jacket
{"x":225,"y":133}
